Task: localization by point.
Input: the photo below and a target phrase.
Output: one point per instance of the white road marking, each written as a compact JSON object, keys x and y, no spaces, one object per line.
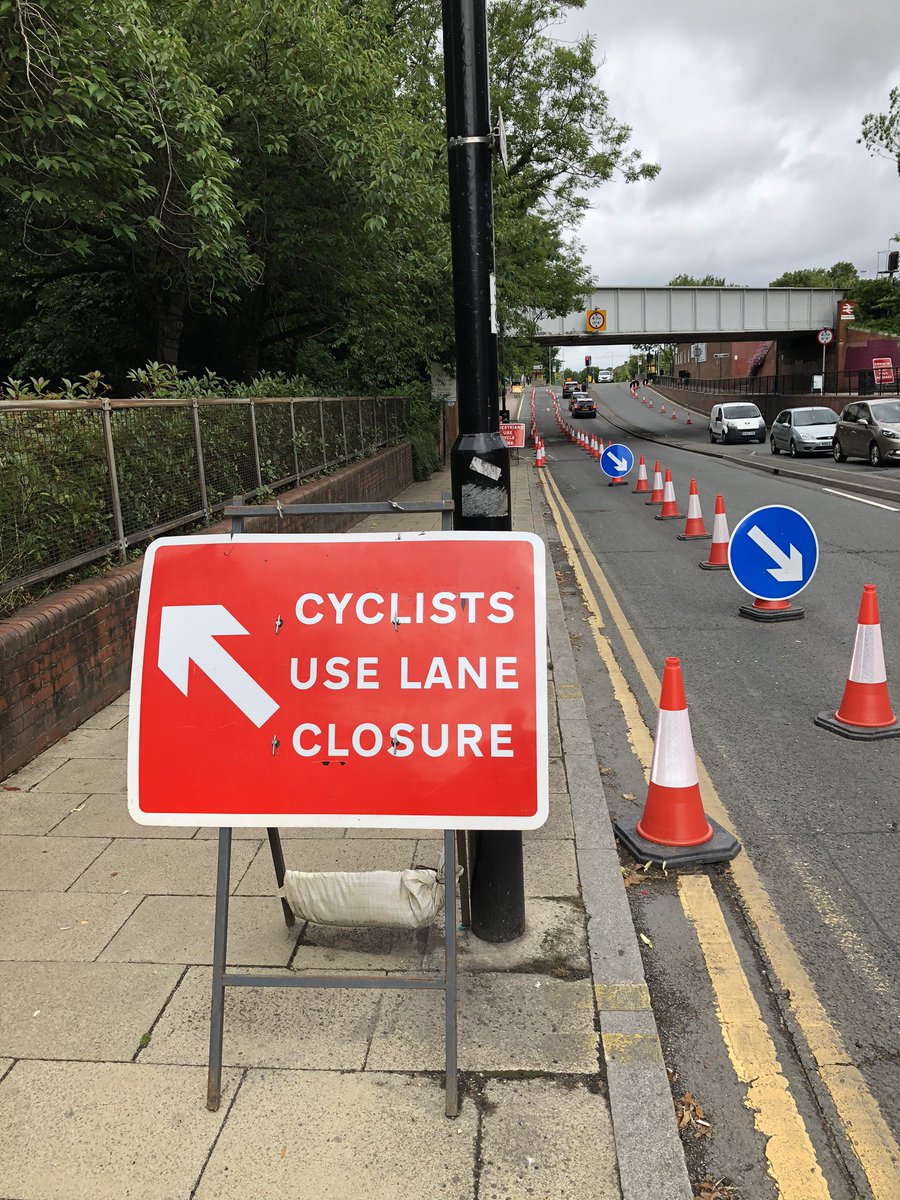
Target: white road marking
{"x":861,"y":499}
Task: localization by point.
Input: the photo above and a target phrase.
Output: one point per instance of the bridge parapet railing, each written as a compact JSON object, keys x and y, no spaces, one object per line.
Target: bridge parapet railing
{"x":82,"y":481}
{"x":867,"y":382}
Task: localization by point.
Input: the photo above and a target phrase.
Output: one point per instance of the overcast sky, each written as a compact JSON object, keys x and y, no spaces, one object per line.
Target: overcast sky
{"x":753,"y":111}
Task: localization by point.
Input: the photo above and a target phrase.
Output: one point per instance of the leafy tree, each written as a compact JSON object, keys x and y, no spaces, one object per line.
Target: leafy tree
{"x":841,"y":275}
{"x":113,"y":157}
{"x":881,"y":131}
{"x":693,"y":281}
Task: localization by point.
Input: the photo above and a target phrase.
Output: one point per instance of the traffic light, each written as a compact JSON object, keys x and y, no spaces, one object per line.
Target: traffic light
{"x":893,"y":261}
{"x":587,"y":357}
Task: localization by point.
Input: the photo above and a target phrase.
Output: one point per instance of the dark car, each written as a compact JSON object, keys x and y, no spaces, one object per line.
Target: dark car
{"x":568,"y":388}
{"x":869,"y":429}
{"x":582,"y":406}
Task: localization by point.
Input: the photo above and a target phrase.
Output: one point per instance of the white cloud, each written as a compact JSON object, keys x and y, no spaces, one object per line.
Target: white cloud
{"x":753,"y":112}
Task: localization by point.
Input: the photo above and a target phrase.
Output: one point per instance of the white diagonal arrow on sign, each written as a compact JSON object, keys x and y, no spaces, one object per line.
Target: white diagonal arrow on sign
{"x":621,"y":464}
{"x":187,"y":633}
{"x":790,"y":566}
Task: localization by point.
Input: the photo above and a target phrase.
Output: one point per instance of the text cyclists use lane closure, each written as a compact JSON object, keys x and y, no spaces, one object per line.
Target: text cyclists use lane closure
{"x":374,"y":679}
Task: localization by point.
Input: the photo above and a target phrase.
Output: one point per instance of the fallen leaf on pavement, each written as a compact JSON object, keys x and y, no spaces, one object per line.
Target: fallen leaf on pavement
{"x":631,"y":877}
{"x":646,"y":940}
{"x":715,"y":1190}
{"x":628,"y":796}
{"x":690,"y":1113}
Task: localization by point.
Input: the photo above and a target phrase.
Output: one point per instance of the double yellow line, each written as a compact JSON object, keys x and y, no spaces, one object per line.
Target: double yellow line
{"x":789,"y":1150}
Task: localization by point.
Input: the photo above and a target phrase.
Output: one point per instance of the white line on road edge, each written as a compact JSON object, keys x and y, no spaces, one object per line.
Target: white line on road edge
{"x":861,"y":499}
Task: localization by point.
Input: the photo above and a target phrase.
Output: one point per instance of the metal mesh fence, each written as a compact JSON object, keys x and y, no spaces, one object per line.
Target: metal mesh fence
{"x":55,"y":495}
{"x":84,"y":481}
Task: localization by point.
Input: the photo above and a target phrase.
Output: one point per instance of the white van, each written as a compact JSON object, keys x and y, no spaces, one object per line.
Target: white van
{"x":736,"y":422}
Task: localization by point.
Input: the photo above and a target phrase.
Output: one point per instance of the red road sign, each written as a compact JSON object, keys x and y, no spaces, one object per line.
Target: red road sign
{"x":513,"y":434}
{"x":364,"y":679}
{"x":884,"y":370}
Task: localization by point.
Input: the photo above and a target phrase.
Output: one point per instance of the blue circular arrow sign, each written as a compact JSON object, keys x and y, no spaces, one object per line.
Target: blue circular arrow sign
{"x":616,"y":460}
{"x":773,"y":553}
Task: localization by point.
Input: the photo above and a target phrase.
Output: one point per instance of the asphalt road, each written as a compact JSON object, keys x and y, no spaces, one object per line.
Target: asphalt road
{"x":818,"y":814}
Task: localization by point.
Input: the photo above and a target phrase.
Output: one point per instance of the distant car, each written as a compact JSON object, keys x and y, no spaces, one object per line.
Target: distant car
{"x":579,"y":393}
{"x":736,"y":422}
{"x":582,"y":406}
{"x":803,"y":431}
{"x":568,"y":388}
{"x":868,"y":429}
{"x":605,"y":376}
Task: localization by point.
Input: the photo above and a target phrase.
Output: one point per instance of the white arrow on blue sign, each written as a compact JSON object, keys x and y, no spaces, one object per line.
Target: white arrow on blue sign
{"x":773,"y":552}
{"x":616,"y":460}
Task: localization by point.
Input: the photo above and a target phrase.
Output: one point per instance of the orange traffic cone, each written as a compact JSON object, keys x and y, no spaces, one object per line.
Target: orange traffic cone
{"x":771,"y":610}
{"x":643,"y":399}
{"x":669,"y":510}
{"x":642,"y":484}
{"x":540,"y":454}
{"x":674,"y":827}
{"x":718,"y":551}
{"x":865,"y":713}
{"x":674,"y":414}
{"x":656,"y":496}
{"x":694,"y":527}
{"x":650,"y":402}
{"x":662,"y":409}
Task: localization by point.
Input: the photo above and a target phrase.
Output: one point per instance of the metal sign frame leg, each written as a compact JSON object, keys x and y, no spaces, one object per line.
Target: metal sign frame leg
{"x":451,"y":1094}
{"x":220,"y":952}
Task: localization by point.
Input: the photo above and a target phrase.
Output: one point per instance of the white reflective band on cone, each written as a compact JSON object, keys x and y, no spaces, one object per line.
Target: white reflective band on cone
{"x":673,"y":763}
{"x":669,"y":492}
{"x":720,"y":528}
{"x":693,"y":505}
{"x":868,"y":656}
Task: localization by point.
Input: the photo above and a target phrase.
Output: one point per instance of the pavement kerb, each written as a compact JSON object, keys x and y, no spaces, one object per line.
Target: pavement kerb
{"x":648,"y":1146}
{"x":769,"y":468}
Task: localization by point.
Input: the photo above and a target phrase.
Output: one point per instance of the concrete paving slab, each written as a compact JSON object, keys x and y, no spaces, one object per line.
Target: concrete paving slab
{"x":106,"y":718}
{"x":179,"y":929}
{"x":332,"y":949}
{"x":549,"y":1139}
{"x":320,"y":1029}
{"x":550,"y":867}
{"x":60,"y":926}
{"x":554,"y":943}
{"x":559,"y":820}
{"x":107,"y":816}
{"x":104,"y":1131}
{"x":44,"y":864}
{"x":35,"y":812}
{"x":80,"y":1011}
{"x":327,"y":854}
{"x":258,"y":834}
{"x":95,"y":743}
{"x":506,"y":1023}
{"x":86,"y":775}
{"x":122,"y":701}
{"x":38,"y":769}
{"x":395,"y":834}
{"x":378,"y":1136}
{"x":557,"y":775}
{"x":155,"y":867}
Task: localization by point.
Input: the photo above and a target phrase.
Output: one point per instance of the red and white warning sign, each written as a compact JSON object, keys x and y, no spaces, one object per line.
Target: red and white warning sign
{"x":884,"y":370}
{"x":371,"y":680}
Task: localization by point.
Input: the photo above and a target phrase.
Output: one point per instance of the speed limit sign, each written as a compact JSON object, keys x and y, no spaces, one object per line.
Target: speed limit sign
{"x":596,"y":320}
{"x":825,"y":336}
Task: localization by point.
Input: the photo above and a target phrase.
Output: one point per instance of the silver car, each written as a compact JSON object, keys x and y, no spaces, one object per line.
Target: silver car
{"x":803,"y":431}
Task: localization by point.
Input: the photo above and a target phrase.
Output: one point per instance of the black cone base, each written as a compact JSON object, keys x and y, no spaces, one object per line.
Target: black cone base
{"x":713,"y":566}
{"x":721,"y":847}
{"x":858,"y":733}
{"x":695,"y":537}
{"x":794,"y":613}
{"x":670,"y":517}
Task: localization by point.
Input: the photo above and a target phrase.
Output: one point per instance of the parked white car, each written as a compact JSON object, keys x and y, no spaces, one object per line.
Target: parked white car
{"x":605,"y":376}
{"x":736,"y":422}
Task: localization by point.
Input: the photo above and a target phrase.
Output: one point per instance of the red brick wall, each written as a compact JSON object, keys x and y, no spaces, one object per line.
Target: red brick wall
{"x":68,"y":656}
